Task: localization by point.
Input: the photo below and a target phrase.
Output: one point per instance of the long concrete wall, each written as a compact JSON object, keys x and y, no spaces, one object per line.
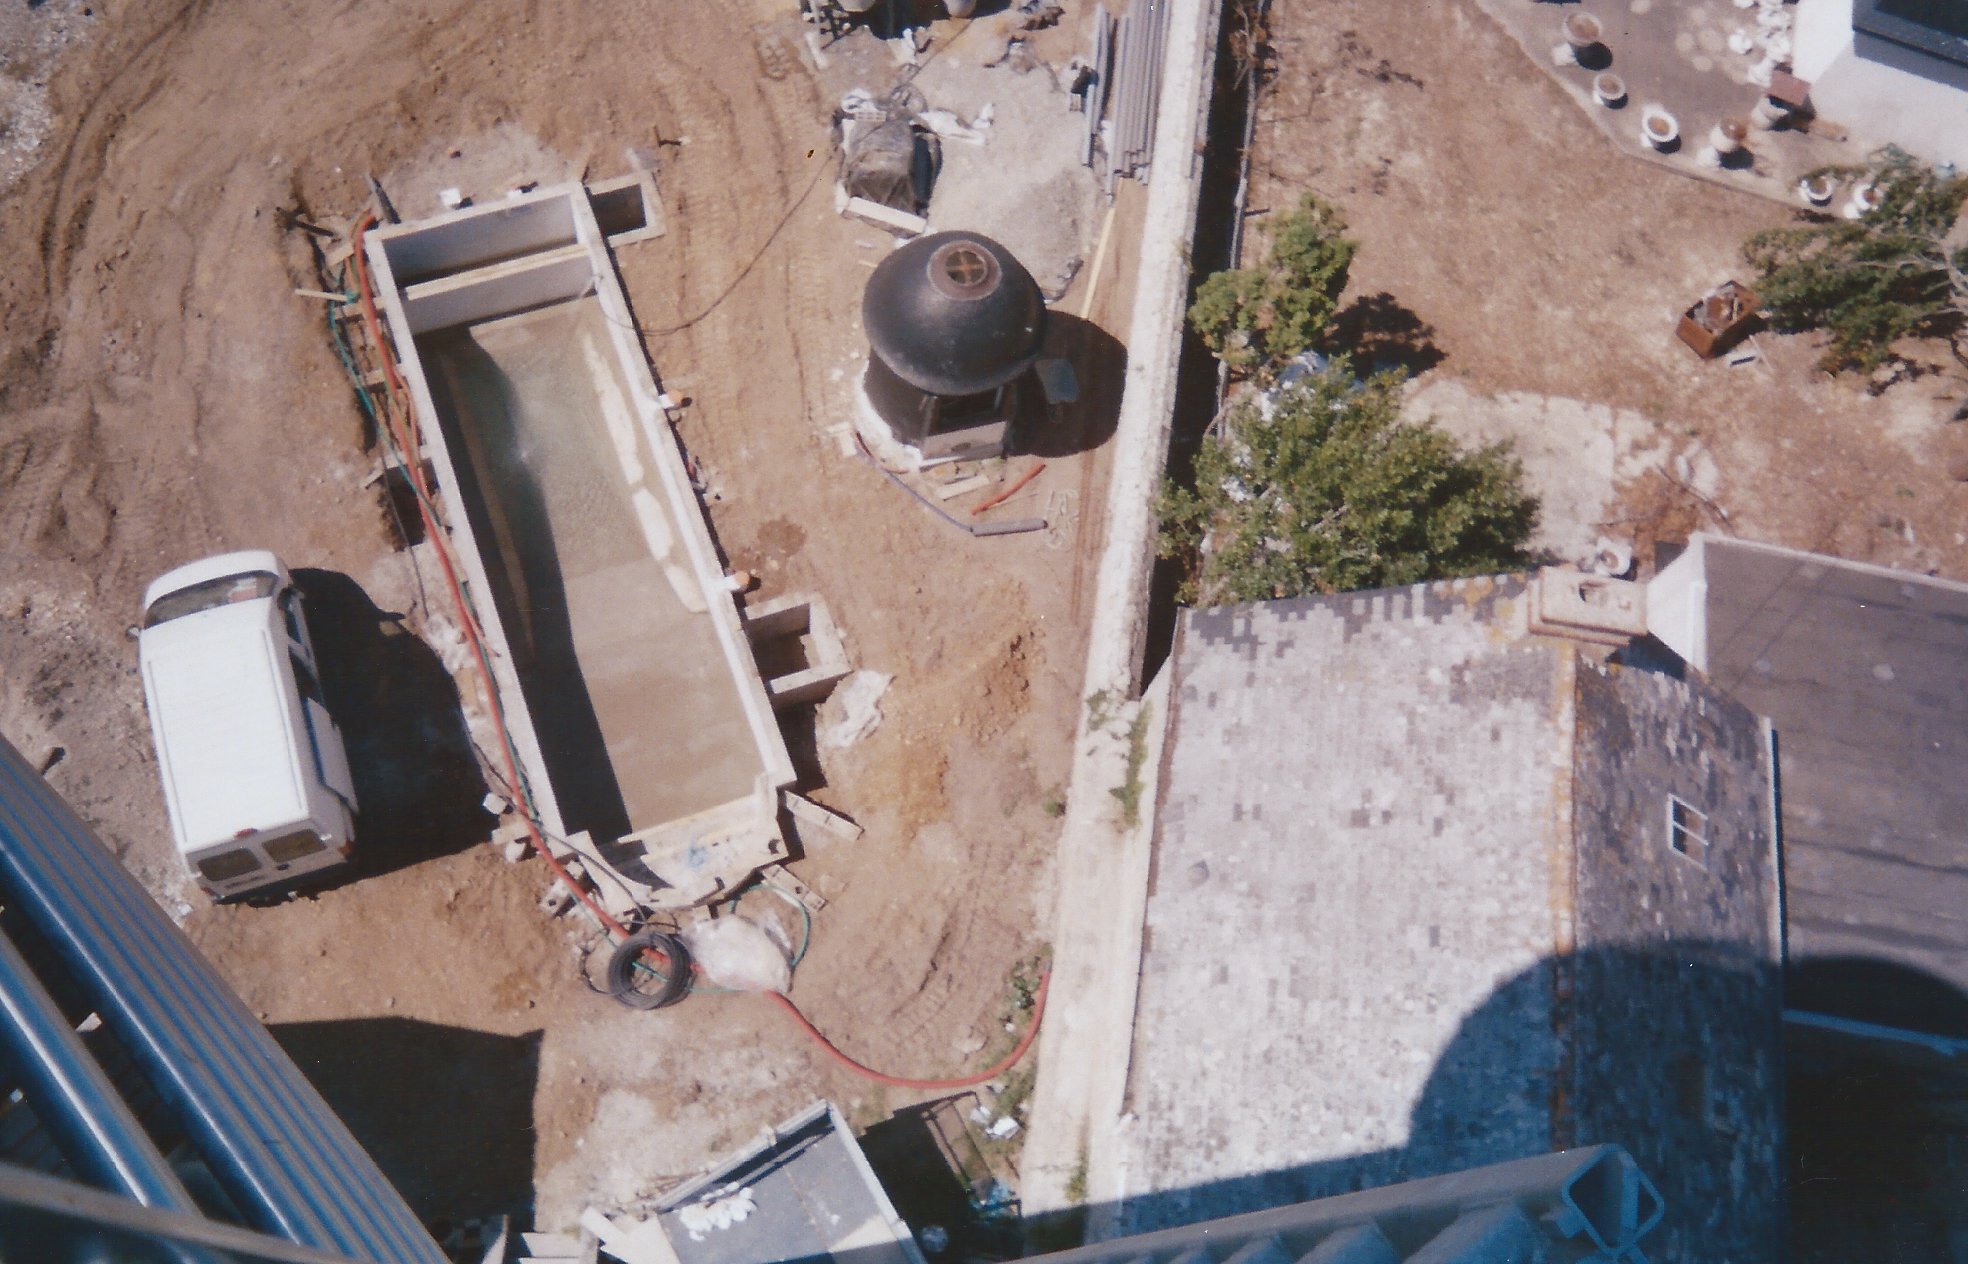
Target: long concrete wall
{"x":424,"y":250}
{"x":481,"y":235}
{"x":1072,"y":1153}
{"x":542,"y":248}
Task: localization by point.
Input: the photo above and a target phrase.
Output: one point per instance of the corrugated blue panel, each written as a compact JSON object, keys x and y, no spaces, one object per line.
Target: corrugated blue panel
{"x":97,"y":1131}
{"x":45,"y":1220}
{"x":282,"y":1155}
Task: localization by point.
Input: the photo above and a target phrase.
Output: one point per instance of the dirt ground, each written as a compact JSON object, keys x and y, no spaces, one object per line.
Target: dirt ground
{"x":1535,"y":276}
{"x":167,"y":397}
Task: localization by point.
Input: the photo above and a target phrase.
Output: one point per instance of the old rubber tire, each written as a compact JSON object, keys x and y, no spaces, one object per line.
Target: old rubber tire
{"x":632,"y":986}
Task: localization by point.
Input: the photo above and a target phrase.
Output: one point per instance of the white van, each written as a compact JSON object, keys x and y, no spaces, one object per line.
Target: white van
{"x":255,"y":777}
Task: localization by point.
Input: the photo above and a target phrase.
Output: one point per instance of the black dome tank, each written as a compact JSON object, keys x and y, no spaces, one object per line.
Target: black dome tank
{"x":954,"y":314}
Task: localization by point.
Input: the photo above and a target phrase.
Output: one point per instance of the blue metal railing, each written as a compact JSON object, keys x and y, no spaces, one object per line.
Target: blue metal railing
{"x":281,"y":1155}
{"x":52,"y":1221}
{"x":73,"y":1098}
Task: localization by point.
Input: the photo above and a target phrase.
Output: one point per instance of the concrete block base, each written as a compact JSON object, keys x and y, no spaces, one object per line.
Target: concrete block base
{"x":708,"y":855}
{"x":1591,"y":608}
{"x":805,"y":628}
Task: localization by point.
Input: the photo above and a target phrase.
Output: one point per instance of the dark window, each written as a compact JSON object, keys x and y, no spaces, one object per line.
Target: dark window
{"x":209,"y":595}
{"x":290,"y":610}
{"x":313,"y":711}
{"x":1687,"y":830}
{"x":228,"y":864}
{"x":291,"y":847}
{"x":957,"y":412}
{"x":304,"y":678}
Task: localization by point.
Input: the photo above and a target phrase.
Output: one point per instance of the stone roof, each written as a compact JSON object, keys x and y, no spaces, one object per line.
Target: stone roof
{"x":1861,"y":671}
{"x":1415,"y":909}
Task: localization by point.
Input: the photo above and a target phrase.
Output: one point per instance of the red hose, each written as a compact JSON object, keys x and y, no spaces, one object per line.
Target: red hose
{"x":375,"y":325}
{"x":538,"y":842}
{"x":898,"y":1081}
{"x":1008,"y":492}
{"x":435,"y":534}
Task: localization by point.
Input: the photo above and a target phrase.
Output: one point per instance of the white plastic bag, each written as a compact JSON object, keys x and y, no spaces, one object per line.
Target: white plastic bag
{"x":736,"y":952}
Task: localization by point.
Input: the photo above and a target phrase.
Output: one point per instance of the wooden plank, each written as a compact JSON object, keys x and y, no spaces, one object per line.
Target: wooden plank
{"x":823,"y":820}
{"x":886,"y":217}
{"x":961,"y":487}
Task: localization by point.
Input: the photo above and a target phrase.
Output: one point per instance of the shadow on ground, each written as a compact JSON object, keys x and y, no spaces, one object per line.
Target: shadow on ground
{"x":936,"y":1172}
{"x":417,"y":782}
{"x":1099,"y":366}
{"x":1379,"y":332}
{"x":499,"y":486}
{"x":1874,"y":1139}
{"x":1873,"y":991}
{"x":447,"y":1113}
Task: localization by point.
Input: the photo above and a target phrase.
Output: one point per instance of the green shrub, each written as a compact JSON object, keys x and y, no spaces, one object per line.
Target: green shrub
{"x":1255,"y":319}
{"x":1899,"y":271}
{"x":1334,"y":491}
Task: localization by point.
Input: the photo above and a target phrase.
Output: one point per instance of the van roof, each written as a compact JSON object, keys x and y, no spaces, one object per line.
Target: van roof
{"x":225,"y":742}
{"x":212,"y":568}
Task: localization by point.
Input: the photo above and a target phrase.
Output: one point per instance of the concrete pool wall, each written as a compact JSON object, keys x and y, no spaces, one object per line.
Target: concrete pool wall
{"x":620,"y":658}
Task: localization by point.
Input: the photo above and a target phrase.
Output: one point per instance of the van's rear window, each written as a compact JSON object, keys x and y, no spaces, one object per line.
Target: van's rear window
{"x":288,"y":848}
{"x":211,"y":593}
{"x":228,"y":864}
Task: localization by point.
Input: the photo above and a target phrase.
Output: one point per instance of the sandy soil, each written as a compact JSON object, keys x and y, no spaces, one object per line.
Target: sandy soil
{"x":168,"y":397}
{"x":1536,"y":276}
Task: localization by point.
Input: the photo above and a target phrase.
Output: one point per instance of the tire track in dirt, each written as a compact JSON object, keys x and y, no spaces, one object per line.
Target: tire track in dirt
{"x":31,"y":466}
{"x":76,"y":177}
{"x":765,"y":115}
{"x":927,"y":980}
{"x":151,"y":312}
{"x":811,"y":319}
{"x":708,"y":209}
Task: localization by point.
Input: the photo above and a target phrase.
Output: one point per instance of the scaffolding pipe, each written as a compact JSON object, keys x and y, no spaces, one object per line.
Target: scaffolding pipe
{"x":71,"y":1096}
{"x":50,"y":1220}
{"x":1103,"y":69}
{"x":283,"y":1157}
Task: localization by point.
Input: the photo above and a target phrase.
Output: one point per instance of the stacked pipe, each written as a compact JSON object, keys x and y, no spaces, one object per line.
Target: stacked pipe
{"x":1103,"y":71}
{"x":1140,"y":43}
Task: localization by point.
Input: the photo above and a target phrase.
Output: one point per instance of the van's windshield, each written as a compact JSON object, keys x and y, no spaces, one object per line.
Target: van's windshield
{"x":211,"y":593}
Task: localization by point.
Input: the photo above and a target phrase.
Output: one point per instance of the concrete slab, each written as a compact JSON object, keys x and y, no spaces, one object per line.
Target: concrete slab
{"x":596,"y":620}
{"x":804,"y":1194}
{"x":1677,"y":55}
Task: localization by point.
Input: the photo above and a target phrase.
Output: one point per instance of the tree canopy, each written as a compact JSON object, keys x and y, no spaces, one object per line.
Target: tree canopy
{"x":1323,"y":487}
{"x":1900,"y":270}
{"x":1256,"y":319}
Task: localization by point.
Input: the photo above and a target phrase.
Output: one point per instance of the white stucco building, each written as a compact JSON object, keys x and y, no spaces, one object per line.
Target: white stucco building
{"x":1891,"y":70}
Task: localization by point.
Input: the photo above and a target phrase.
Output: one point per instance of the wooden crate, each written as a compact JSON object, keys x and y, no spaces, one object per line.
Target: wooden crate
{"x":1719,"y":319}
